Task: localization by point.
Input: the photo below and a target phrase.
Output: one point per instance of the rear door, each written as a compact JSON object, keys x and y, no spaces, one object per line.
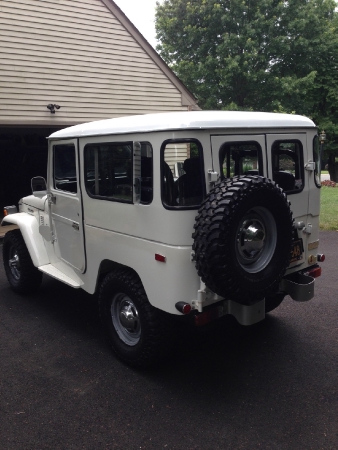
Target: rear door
{"x":65,"y":204}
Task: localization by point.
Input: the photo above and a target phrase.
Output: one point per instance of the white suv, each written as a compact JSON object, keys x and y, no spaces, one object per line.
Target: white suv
{"x":196,"y":214}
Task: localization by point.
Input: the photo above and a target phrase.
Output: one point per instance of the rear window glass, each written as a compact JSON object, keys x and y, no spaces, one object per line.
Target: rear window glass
{"x":240,"y":158}
{"x":287,"y":165}
{"x":183,"y":184}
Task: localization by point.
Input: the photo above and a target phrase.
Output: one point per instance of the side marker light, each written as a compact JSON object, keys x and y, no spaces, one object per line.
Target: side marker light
{"x":160,"y":258}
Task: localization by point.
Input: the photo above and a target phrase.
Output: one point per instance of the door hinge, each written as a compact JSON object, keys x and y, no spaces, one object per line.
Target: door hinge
{"x":308,"y":229}
{"x":213,"y":176}
{"x":51,"y":199}
{"x":310,"y":166}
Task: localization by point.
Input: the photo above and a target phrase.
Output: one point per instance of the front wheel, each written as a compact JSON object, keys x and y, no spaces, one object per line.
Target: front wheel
{"x":137,"y":332}
{"x":21,"y":273}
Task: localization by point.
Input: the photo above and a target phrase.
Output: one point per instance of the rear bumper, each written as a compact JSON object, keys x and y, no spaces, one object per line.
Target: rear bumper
{"x":301,"y":285}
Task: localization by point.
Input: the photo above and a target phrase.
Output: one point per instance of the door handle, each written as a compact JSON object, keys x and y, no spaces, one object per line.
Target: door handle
{"x":75,"y":226}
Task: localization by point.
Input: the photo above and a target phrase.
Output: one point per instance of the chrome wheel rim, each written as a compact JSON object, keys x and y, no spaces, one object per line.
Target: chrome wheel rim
{"x":125,"y":319}
{"x":256,"y":239}
{"x":14,"y":263}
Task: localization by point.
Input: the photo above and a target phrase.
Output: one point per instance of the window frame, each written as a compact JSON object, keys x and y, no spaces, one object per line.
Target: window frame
{"x":301,"y":162}
{"x":76,"y":182}
{"x":201,"y":158}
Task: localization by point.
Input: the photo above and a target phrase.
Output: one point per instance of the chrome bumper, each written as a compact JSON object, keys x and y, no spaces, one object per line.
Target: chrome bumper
{"x":300,"y":287}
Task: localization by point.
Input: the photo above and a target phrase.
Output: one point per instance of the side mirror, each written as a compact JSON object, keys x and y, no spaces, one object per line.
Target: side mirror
{"x":39,"y":187}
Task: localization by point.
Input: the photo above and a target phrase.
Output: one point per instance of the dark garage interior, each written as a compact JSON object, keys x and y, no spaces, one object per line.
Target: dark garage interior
{"x":23,"y":155}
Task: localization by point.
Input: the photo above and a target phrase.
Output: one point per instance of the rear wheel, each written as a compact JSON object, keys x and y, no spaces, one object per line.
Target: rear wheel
{"x":21,"y":273}
{"x":137,"y":332}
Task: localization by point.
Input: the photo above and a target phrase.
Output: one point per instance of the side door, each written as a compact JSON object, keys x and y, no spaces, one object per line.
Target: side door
{"x":65,"y":203}
{"x":239,"y":155}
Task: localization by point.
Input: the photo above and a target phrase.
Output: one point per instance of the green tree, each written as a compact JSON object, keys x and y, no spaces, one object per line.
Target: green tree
{"x":267,"y":55}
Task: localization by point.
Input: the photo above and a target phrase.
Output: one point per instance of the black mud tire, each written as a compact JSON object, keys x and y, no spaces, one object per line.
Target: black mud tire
{"x":230,"y":261}
{"x":273,"y":302}
{"x":21,"y":273}
{"x":143,"y":342}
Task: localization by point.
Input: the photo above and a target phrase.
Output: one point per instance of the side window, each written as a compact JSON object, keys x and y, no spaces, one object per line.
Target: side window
{"x":109,"y":171}
{"x":146,"y":173}
{"x":287,"y":165}
{"x":317,"y":160}
{"x":64,"y":174}
{"x":182,"y":176}
{"x":241,"y":158}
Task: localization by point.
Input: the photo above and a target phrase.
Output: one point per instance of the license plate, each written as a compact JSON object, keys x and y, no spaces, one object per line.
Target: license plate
{"x":296,"y":250}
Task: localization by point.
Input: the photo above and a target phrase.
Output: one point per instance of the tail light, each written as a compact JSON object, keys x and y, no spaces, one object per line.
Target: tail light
{"x":315,"y":273}
{"x":183,"y":307}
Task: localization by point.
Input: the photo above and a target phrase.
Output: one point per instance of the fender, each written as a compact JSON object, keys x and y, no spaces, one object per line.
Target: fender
{"x":29,"y":228}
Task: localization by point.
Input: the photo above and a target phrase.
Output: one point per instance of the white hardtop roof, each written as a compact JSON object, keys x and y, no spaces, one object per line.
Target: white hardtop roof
{"x":193,"y":120}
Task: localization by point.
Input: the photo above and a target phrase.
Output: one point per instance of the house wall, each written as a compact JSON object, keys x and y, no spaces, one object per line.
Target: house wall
{"x":80,"y":55}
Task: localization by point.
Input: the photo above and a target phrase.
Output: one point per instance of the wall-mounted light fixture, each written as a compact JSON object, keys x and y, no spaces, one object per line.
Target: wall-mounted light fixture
{"x":52,"y":107}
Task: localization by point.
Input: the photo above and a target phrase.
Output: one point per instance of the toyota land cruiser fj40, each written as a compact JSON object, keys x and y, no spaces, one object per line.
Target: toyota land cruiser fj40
{"x":196,"y":214}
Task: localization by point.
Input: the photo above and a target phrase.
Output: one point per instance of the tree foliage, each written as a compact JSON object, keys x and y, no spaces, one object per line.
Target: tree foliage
{"x":266,"y":55}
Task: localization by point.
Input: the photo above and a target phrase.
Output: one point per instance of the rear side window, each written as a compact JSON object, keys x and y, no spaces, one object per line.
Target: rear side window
{"x":240,"y":158}
{"x":64,"y":162}
{"x":317,"y":160}
{"x":287,"y":165}
{"x":182,"y":174}
{"x":109,"y":171}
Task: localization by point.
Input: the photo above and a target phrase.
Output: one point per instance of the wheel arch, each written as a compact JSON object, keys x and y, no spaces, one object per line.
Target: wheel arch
{"x":107,"y":266}
{"x":29,"y":228}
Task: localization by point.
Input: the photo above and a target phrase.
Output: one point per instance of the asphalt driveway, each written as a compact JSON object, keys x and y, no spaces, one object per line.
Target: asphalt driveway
{"x":270,"y":386}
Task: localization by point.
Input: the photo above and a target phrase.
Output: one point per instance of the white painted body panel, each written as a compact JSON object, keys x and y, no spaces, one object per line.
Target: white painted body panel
{"x":165,"y":283}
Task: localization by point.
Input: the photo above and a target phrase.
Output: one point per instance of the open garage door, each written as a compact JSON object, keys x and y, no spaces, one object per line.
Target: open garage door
{"x":23,"y":155}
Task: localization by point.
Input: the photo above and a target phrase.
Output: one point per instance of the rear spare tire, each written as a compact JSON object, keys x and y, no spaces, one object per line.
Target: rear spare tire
{"x":242,"y":238}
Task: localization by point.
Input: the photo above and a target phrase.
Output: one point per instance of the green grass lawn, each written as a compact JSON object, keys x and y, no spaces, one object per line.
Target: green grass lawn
{"x":329,"y":208}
